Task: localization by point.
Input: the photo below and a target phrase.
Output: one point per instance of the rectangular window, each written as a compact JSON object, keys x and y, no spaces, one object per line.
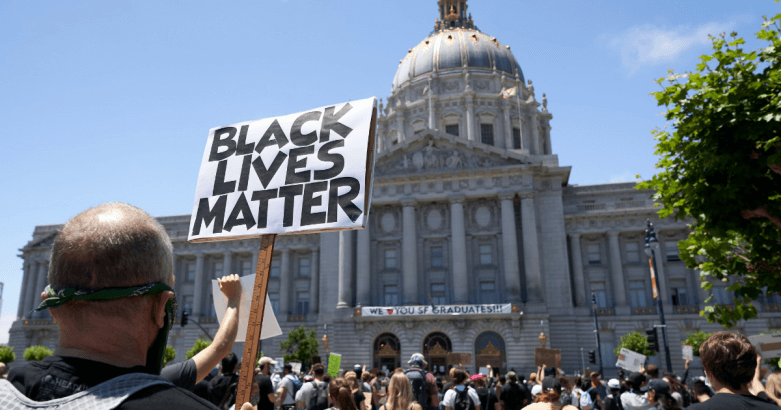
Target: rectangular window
{"x":680,"y":297}
{"x":391,"y":293}
{"x":486,"y":257}
{"x":632,"y":252}
{"x":246,"y":268}
{"x":438,"y":293}
{"x":190,"y":271}
{"x":302,"y":303}
{"x":390,"y":259}
{"x":436,"y":257}
{"x":275,"y":264}
{"x":487,"y":134}
{"x":671,"y":249}
{"x":516,"y":138}
{"x":218,"y":270}
{"x":607,"y":350}
{"x":488,"y":292}
{"x":637,"y":294}
{"x":303,"y":267}
{"x":187,"y":304}
{"x":594,"y":256}
{"x":274,"y":299}
{"x":452,"y":129}
{"x":601,"y":299}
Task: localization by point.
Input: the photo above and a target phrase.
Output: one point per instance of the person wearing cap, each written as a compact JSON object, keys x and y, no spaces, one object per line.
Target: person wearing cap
{"x":635,"y":398}
{"x":612,"y":401}
{"x":423,"y":389}
{"x":514,"y":395}
{"x":267,"y":395}
{"x":659,"y":395}
{"x":547,"y":396}
{"x":286,"y":388}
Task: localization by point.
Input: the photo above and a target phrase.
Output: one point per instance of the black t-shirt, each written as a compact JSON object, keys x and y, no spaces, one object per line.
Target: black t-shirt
{"x":266,"y":388}
{"x":181,"y":374}
{"x":57,"y":376}
{"x":358,"y":397}
{"x":513,"y":395}
{"x":483,"y":394}
{"x":727,"y":401}
{"x":219,"y":387}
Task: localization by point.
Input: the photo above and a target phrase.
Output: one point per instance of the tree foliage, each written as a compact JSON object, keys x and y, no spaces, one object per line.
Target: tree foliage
{"x":170,"y":354}
{"x":695,"y":339}
{"x":7,"y":354}
{"x":635,"y":342}
{"x":36,"y":353}
{"x":199,"y":345}
{"x":300,"y":346}
{"x":721,"y":166}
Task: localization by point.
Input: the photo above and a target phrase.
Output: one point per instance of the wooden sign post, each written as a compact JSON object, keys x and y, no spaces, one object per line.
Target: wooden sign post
{"x":295,"y":173}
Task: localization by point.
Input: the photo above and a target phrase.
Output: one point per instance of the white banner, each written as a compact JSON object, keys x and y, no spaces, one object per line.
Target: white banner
{"x":309,"y":171}
{"x":769,"y":345}
{"x":630,"y":360}
{"x":436,"y":310}
{"x":270,"y":327}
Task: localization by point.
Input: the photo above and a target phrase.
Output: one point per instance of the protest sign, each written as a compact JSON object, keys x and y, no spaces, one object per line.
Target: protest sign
{"x":334,"y":363}
{"x":463,"y":359}
{"x":548,"y":357}
{"x":483,"y":370}
{"x":296,"y":367}
{"x":688,"y":352}
{"x":280,"y":363}
{"x":308,"y":171}
{"x":769,"y":345}
{"x":630,"y":360}
{"x":270,"y":326}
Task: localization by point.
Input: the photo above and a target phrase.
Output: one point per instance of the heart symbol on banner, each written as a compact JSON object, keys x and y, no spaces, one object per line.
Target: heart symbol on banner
{"x":390,"y":311}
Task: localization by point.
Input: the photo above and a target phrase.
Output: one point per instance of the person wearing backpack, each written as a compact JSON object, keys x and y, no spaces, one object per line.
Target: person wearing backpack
{"x":400,"y":394}
{"x":219,"y":386}
{"x":514,"y":395}
{"x":424,"y":386}
{"x":289,"y":387}
{"x":314,"y":395}
{"x":461,"y":397}
{"x":550,"y":396}
{"x":588,"y":399}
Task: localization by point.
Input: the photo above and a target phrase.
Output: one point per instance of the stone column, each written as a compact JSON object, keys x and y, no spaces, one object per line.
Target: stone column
{"x":470,"y":114}
{"x":400,"y":125}
{"x":409,"y":252}
{"x":314,"y":282}
{"x":363,"y":271}
{"x":432,"y":118}
{"x":40,"y":284}
{"x":345,"y":269}
{"x":508,"y":138}
{"x":284,"y":284}
{"x":458,"y":253}
{"x":531,"y":253}
{"x":512,"y":276}
{"x":20,"y":311}
{"x":617,"y":270}
{"x":548,"y":145}
{"x":227,"y":258}
{"x":577,"y":271}
{"x":535,"y":133}
{"x":198,"y":291}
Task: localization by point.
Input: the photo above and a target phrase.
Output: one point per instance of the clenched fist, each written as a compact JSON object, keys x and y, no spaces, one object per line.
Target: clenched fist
{"x":231,"y":288}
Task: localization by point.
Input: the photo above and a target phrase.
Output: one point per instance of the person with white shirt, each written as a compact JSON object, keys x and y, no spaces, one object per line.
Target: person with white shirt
{"x":460,"y":378}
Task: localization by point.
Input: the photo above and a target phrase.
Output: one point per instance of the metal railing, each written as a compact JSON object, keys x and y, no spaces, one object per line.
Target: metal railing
{"x":644,"y":310}
{"x":685,"y":309}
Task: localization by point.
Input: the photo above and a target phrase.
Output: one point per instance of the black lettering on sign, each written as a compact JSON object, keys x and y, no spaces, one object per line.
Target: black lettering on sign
{"x":242,"y":148}
{"x":240,"y":209}
{"x":274,"y":130}
{"x":331,"y":122}
{"x":227,"y":142}
{"x":293,"y":163}
{"x":207,"y":216}
{"x":336,"y":159}
{"x":220,"y":186}
{"x":344,"y":200}
{"x":263,"y":197}
{"x":266,"y":174}
{"x":245,"y":167}
{"x":289,"y":192}
{"x":307,"y":217}
{"x":295,"y":132}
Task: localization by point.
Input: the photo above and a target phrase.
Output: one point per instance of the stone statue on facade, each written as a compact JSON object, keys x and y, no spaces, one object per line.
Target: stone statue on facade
{"x":530,"y":88}
{"x":544,"y":103}
{"x":454,"y":160}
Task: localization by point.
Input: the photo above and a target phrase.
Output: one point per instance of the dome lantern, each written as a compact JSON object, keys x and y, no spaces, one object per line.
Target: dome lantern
{"x":452,"y":14}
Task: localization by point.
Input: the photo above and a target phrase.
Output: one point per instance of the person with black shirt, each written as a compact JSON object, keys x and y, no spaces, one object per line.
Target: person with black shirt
{"x":732,"y":365}
{"x":514,"y":395}
{"x":267,"y":395}
{"x":220,"y":386}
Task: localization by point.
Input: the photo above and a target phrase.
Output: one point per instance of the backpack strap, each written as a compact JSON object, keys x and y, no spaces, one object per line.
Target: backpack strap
{"x":104,"y":396}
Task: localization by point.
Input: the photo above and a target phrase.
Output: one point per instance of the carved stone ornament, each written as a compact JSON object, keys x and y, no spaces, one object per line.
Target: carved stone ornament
{"x":437,"y":350}
{"x":436,"y":155}
{"x":482,"y":84}
{"x":451,"y":85}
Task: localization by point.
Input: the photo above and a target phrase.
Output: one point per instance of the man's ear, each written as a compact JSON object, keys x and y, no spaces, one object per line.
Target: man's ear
{"x":159,"y":308}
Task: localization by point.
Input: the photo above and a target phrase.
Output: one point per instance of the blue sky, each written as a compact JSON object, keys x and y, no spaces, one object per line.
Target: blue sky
{"x":112,"y":101}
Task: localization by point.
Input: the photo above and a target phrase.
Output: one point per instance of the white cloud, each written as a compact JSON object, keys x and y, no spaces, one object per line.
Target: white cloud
{"x":5,"y":326}
{"x":650,"y":45}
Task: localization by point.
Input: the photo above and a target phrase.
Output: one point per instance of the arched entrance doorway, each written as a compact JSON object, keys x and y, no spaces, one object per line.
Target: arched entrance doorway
{"x":387,"y":352}
{"x":489,"y":349}
{"x":436,"y":346}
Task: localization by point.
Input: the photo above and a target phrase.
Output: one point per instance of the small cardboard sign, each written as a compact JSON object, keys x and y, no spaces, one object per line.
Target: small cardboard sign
{"x":630,"y":360}
{"x":296,"y":367}
{"x":334,"y":363}
{"x":309,"y":171}
{"x":688,"y":352}
{"x":769,"y":345}
{"x":455,"y":359}
{"x":483,"y":371}
{"x":549,"y":357}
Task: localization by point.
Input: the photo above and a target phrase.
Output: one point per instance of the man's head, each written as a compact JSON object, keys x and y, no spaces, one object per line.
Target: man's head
{"x":288,"y":368}
{"x":594,"y":377}
{"x":265,"y":364}
{"x":635,"y":380}
{"x":512,"y":377}
{"x":652,"y":371}
{"x":229,"y":363}
{"x":319,"y":371}
{"x":417,"y":360}
{"x":729,"y":359}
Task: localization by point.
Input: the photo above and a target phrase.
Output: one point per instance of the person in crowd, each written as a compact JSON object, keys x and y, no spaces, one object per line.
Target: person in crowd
{"x":600,"y":387}
{"x":577,"y":391}
{"x":461,"y":391}
{"x":314,"y":395}
{"x":659,"y":395}
{"x":400,"y":394}
{"x":201,"y":388}
{"x":267,"y":393}
{"x":514,"y":395}
{"x":773,"y":387}
{"x":357,"y":391}
{"x":634,"y":398}
{"x":677,"y":391}
{"x":287,"y":388}
{"x":367,"y":378}
{"x":424,"y":388}
{"x":341,"y":395}
{"x":220,"y":387}
{"x":111,"y":293}
{"x":532,"y":380}
{"x":566,"y":391}
{"x":549,"y":397}
{"x":381,"y":387}
{"x":612,"y":400}
{"x":651,"y":372}
{"x":481,"y":390}
{"x":701,"y":391}
{"x":732,"y":365}
{"x":254,"y":397}
{"x":685,"y":376}
{"x":536,"y":390}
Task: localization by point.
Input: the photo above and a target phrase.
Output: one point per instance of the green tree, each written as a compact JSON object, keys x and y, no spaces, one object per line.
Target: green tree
{"x":36,"y":353}
{"x":721,"y":166}
{"x":170,"y":354}
{"x":635,"y":342}
{"x":199,"y":345}
{"x":300,"y":346}
{"x":695,"y":339}
{"x":7,"y":354}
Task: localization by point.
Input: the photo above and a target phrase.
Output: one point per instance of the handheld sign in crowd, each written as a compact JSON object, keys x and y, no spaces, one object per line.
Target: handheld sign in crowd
{"x":630,"y":360}
{"x":547,"y":357}
{"x":334,"y":364}
{"x":304,"y":172}
{"x":769,"y":345}
{"x":688,"y":352}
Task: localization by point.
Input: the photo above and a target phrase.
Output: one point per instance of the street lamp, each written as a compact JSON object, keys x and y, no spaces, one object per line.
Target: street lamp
{"x":596,"y":330}
{"x":650,"y":243}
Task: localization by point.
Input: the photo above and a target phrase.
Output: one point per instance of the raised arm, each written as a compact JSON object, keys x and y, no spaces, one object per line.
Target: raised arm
{"x":208,"y":358}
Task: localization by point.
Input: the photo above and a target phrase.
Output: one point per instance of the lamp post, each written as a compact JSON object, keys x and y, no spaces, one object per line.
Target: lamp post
{"x":650,"y":243}
{"x":596,"y":330}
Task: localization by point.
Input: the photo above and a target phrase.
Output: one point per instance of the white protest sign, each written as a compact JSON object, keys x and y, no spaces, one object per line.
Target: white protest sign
{"x":270,"y":325}
{"x":769,"y":345}
{"x":483,"y":370}
{"x":296,"y":367}
{"x":688,"y":352}
{"x":309,"y":171}
{"x":630,"y":360}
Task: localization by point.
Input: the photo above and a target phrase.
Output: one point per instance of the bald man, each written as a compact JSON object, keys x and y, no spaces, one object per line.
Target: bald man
{"x":111,"y":293}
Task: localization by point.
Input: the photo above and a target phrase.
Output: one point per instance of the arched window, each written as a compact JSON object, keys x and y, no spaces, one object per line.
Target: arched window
{"x":489,"y":349}
{"x":436,"y":346}
{"x":387,"y":352}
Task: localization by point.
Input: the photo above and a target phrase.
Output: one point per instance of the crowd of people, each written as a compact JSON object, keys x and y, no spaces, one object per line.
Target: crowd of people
{"x":111,"y":294}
